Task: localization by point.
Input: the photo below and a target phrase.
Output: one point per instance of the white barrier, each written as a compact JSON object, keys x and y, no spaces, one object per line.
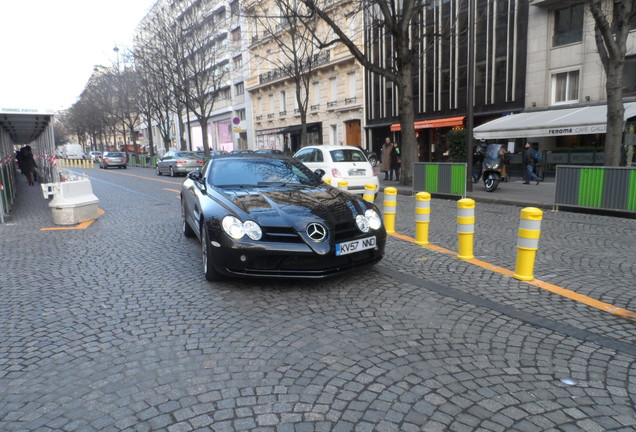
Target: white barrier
{"x":73,"y":201}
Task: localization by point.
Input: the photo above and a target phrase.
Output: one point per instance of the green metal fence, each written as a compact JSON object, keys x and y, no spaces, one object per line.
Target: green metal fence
{"x":440,"y":178}
{"x":609,"y":188}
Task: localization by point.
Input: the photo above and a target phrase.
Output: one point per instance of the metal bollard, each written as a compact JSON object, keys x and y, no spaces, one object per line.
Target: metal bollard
{"x":390,"y":206}
{"x":422,"y":217}
{"x":343,"y":185}
{"x":369,"y":192}
{"x":465,"y":228}
{"x":528,"y":242}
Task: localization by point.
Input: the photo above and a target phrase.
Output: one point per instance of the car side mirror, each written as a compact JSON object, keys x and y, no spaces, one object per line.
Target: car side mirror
{"x":195,"y":175}
{"x":320,"y":172}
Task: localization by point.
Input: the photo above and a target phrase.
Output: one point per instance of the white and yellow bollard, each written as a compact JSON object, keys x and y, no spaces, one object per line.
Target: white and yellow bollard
{"x":369,"y":192}
{"x":343,"y":185}
{"x":390,"y":208}
{"x":422,"y":217}
{"x":528,"y":242}
{"x":327,"y":180}
{"x":465,"y":228}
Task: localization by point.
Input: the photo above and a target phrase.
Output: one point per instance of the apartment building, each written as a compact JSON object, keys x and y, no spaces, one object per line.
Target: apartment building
{"x":440,"y":35}
{"x":330,"y":80}
{"x":565,"y":96}
{"x":229,"y":122}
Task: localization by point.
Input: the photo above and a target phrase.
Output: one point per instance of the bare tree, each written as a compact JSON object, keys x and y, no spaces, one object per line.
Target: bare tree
{"x":613,"y":21}
{"x":383,"y":19}
{"x":292,"y":51}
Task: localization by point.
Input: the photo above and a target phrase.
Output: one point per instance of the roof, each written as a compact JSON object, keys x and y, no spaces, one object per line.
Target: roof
{"x":24,"y":125}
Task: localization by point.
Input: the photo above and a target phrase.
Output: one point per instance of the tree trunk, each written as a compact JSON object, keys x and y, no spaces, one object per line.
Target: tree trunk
{"x":204,"y":135}
{"x":615,"y":115}
{"x":408,"y":147}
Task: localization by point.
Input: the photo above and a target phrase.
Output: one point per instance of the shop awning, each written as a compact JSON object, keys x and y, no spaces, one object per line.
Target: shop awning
{"x":296,"y":129}
{"x":436,"y":123}
{"x":570,"y":121}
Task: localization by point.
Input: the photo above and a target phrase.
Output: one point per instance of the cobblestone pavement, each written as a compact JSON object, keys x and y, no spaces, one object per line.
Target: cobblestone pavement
{"x":115,"y":328}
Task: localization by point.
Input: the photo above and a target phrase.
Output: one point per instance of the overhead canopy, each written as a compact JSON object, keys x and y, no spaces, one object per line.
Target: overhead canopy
{"x":436,"y":123}
{"x":570,"y":121}
{"x":24,"y":125}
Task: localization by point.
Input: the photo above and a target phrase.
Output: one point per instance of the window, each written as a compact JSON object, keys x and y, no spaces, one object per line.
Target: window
{"x":353,"y":85}
{"x":236,"y":34}
{"x":565,"y":87}
{"x":283,"y":102}
{"x":239,"y":89}
{"x":238,"y":62}
{"x":568,"y":25}
{"x":234,"y":8}
{"x":333,"y":89}
{"x":629,"y":76}
{"x":240,"y":114}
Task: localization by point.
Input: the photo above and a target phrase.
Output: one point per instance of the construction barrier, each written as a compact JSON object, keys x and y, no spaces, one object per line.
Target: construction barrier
{"x":528,"y":242}
{"x":607,"y":188}
{"x":440,"y":178}
{"x":73,"y":200}
{"x":465,"y":228}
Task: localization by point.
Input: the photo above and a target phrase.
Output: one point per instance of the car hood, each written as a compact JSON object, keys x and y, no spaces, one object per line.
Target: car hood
{"x":297,"y":207}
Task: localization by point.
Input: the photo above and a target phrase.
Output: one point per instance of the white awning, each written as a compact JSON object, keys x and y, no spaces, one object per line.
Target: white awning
{"x":570,"y":121}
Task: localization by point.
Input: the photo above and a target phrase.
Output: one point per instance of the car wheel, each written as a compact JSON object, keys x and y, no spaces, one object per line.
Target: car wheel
{"x":206,"y":255}
{"x":125,"y":166}
{"x":158,"y":171}
{"x":186,"y":229}
{"x":105,"y":166}
{"x":171,"y":172}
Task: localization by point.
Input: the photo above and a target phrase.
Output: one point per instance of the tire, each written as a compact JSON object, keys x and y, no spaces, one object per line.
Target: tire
{"x":171,"y":172}
{"x":158,"y":171}
{"x":186,"y":229}
{"x":491,"y":184}
{"x":125,"y":166}
{"x":206,"y":255}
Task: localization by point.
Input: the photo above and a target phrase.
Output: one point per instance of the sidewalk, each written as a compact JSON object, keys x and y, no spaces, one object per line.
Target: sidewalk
{"x":513,"y":192}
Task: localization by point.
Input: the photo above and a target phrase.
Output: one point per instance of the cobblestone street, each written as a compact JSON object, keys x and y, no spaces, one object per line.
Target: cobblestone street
{"x":114,"y":327}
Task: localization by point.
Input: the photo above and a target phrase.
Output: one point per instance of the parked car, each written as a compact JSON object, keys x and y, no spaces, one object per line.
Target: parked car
{"x":341,"y":163}
{"x":113,"y":159}
{"x":372,"y":156}
{"x":269,"y":151}
{"x":179,"y":162}
{"x":95,"y":155}
{"x":213,"y":153}
{"x":270,"y":216}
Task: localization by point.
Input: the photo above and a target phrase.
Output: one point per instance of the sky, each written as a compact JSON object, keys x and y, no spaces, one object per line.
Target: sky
{"x":50,"y":47}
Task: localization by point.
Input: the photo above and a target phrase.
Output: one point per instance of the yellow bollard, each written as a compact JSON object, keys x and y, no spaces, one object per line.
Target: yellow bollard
{"x":343,"y":185}
{"x":327,"y":180}
{"x":422,"y":217}
{"x":92,"y":162}
{"x":390,"y":206}
{"x":465,"y":227}
{"x":369,"y":192}
{"x":527,"y":242}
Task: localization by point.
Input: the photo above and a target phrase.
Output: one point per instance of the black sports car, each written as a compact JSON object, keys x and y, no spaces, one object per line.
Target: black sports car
{"x":270,"y":216}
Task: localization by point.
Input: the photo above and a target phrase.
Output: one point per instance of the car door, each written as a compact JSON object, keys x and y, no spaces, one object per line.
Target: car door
{"x":164,"y":163}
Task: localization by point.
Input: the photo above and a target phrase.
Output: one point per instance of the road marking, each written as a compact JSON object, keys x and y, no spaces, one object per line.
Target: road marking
{"x":82,"y":225}
{"x":172,"y":190}
{"x":148,"y":178}
{"x":572,"y":295}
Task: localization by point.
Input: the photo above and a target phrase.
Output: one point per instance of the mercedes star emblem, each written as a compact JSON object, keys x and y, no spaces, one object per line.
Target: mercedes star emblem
{"x":316,"y":232}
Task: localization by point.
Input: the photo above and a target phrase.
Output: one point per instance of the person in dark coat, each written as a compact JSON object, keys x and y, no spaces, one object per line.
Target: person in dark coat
{"x":396,"y":163}
{"x":27,"y":164}
{"x":387,"y":149}
{"x":529,"y":163}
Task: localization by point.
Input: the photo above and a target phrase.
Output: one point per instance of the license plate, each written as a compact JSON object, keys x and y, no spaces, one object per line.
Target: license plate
{"x":357,"y":172}
{"x":355,"y":246}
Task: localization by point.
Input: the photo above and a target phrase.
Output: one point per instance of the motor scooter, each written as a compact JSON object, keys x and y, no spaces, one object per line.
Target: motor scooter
{"x":492,"y":167}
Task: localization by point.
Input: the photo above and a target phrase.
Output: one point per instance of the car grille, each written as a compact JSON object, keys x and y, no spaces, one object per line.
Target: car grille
{"x":343,"y":232}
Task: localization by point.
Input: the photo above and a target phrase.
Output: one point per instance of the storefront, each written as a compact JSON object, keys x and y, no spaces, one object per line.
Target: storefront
{"x":431,"y":137}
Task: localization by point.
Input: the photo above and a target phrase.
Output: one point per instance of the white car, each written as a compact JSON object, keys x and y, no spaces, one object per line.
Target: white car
{"x":341,"y":163}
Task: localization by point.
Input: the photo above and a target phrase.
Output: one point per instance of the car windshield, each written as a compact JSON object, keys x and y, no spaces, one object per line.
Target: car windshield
{"x":187,"y":155}
{"x":347,"y":155}
{"x":260,"y":172}
{"x":115,"y":154}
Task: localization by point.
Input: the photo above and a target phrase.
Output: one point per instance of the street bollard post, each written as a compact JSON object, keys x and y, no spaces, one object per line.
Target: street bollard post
{"x":465,"y":228}
{"x":390,"y":206}
{"x":369,"y":192}
{"x":327,"y":180}
{"x":343,"y":185}
{"x":422,"y":217}
{"x":528,"y":242}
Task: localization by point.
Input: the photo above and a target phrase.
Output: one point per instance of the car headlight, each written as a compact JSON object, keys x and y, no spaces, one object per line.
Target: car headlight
{"x":253,"y":230}
{"x":374,"y":219}
{"x":363,"y":224}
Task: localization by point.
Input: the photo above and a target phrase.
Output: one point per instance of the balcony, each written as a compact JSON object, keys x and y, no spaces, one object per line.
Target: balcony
{"x":350,"y":100}
{"x":282,"y":113}
{"x":270,"y":116}
{"x":258,"y":117}
{"x":332,"y":104}
{"x":314,"y":107}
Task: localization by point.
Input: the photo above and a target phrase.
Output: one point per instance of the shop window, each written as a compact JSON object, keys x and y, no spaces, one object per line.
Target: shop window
{"x":565,"y":87}
{"x":568,"y":25}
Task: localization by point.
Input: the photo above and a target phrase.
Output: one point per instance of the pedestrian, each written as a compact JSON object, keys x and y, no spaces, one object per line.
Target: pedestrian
{"x":529,"y":163}
{"x":396,"y":163}
{"x":28,"y":165}
{"x":387,"y":149}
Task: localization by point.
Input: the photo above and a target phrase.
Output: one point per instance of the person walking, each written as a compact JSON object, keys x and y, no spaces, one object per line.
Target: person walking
{"x":385,"y":166}
{"x":27,"y":164}
{"x":529,"y":162}
{"x":396,"y":163}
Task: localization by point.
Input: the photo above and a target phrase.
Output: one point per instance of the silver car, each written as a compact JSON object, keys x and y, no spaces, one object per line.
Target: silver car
{"x":113,"y":159}
{"x":179,"y":162}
